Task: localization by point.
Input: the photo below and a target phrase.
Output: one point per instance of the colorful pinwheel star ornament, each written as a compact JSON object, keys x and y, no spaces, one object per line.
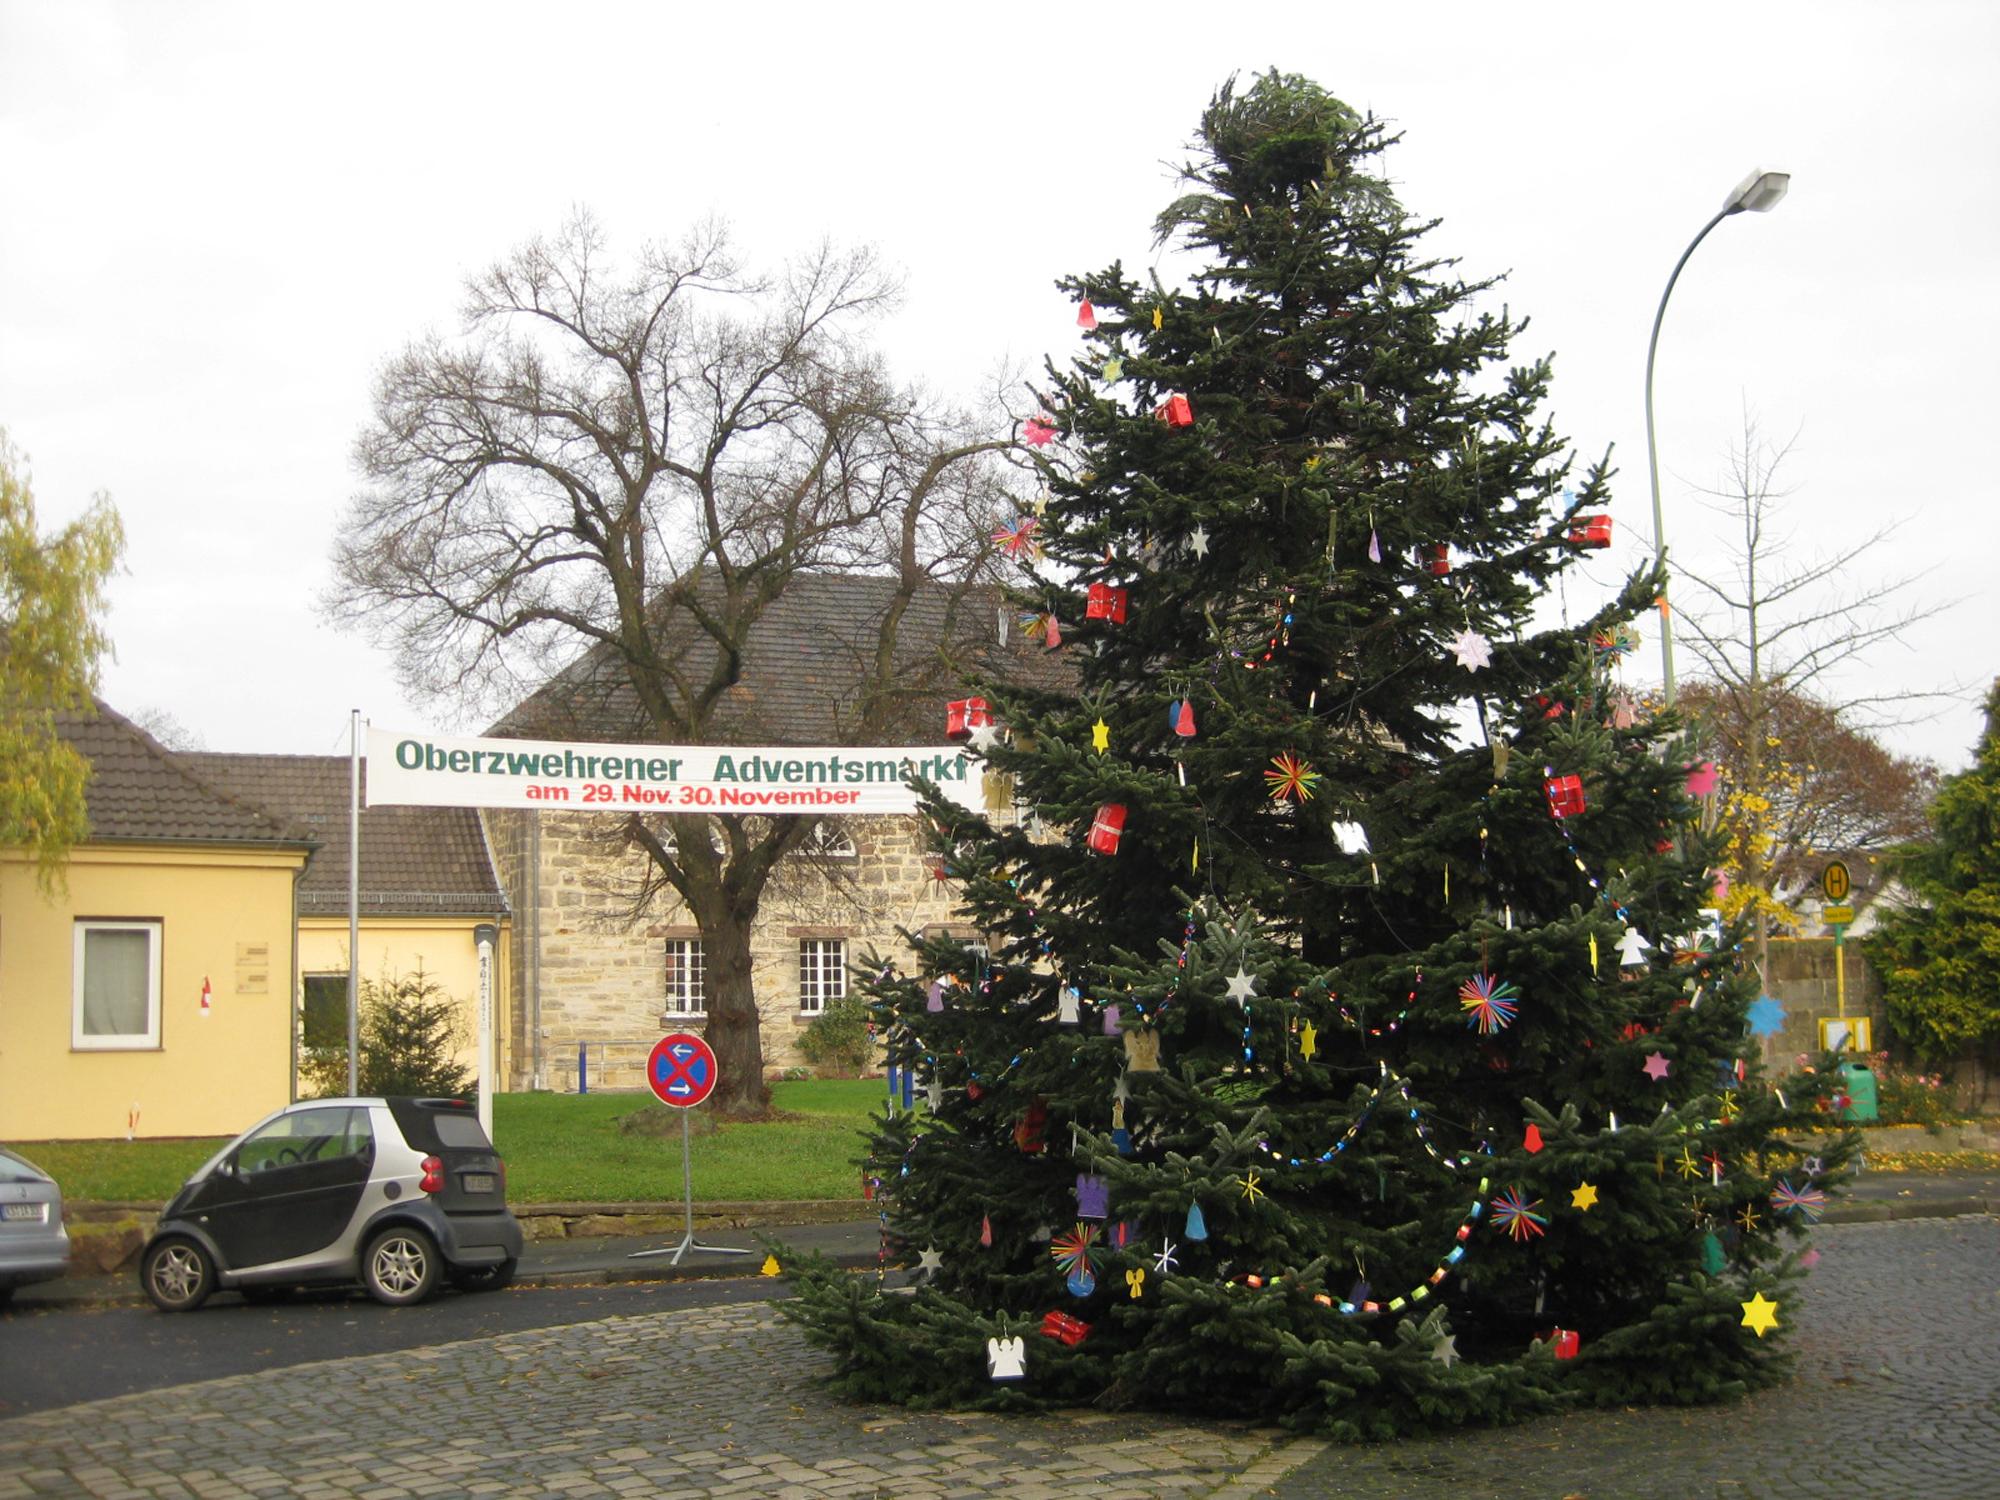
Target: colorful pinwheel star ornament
{"x":1808,"y":1200}
{"x":1290,"y":777}
{"x":1019,"y":540}
{"x":1514,"y":1213}
{"x":1489,"y":1003}
{"x":1609,"y":645}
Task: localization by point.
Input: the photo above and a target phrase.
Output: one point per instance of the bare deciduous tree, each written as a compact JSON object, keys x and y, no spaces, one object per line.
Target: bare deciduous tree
{"x":1802,"y":770}
{"x":606,"y":481}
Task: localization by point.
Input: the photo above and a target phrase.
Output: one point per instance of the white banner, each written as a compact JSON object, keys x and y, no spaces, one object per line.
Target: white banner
{"x":431,"y":770}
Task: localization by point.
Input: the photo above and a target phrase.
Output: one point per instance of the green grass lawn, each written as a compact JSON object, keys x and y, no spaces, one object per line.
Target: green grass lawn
{"x":564,"y":1148}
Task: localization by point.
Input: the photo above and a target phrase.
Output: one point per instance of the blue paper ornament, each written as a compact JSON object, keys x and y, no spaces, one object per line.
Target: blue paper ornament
{"x":1197,"y":1227}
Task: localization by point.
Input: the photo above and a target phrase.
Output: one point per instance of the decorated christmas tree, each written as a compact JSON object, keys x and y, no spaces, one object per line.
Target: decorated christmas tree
{"x":1346,"y":1044}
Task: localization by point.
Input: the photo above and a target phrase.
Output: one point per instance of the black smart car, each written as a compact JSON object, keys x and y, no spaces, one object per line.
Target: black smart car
{"x":397,"y":1194}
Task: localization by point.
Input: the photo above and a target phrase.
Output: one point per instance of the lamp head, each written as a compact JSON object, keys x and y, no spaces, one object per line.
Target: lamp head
{"x":1759,"y":192}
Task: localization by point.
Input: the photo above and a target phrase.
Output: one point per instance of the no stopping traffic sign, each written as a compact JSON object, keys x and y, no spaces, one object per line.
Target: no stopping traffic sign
{"x":681,"y":1070}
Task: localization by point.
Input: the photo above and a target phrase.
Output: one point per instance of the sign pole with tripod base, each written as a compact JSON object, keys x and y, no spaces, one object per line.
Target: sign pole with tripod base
{"x":681,"y":1073}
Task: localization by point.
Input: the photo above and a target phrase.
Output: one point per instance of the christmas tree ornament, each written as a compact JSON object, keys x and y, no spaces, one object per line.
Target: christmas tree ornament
{"x":1198,"y":541}
{"x":984,"y":736}
{"x":964,"y":716}
{"x":1252,"y":1186}
{"x":1291,"y":777}
{"x":1165,"y":1263}
{"x":1107,"y":828}
{"x":1656,"y":1066}
{"x":1175,"y":411}
{"x":1242,"y":986}
{"x":1142,"y":1050}
{"x":1351,"y":837}
{"x":1472,"y":649}
{"x":1093,"y":1196}
{"x":1502,"y":754}
{"x":1436,"y":559}
{"x":1513,"y":1213}
{"x":1103,"y":602}
{"x":1590,"y":532}
{"x":1713,"y":1261}
{"x":1156,"y":320}
{"x":1113,"y":1015}
{"x":1034,"y":1121}
{"x":1068,"y":1005}
{"x":1086,"y":315}
{"x":1005,"y":1358}
{"x":1593,"y":953}
{"x":1533,"y":1141}
{"x":1611,"y":645}
{"x":1632,"y":949}
{"x":1065,"y":1329}
{"x":1184,"y":719}
{"x":1701,"y":780}
{"x":1808,"y":1202}
{"x":1100,"y":736}
{"x":986,"y":1230}
{"x":1489,"y":1003}
{"x":934,"y":1001}
{"x":1114,"y":368}
{"x":1121,"y":1138}
{"x":1077,"y":1255}
{"x":1809,"y":1259}
{"x":771,"y":1267}
{"x":996,"y":790}
{"x":1760,"y":1314}
{"x":1565,"y":794}
{"x":1021,"y":540}
{"x":929,"y":1262}
{"x":1767,"y":1016}
{"x":1583,"y":1197}
{"x":1444,"y":1349}
{"x":1308,"y":1041}
{"x":1196,"y":1227}
{"x":1561,"y":1342}
{"x":1374,"y":546}
{"x":1135,"y":1282}
{"x":1037,"y":432}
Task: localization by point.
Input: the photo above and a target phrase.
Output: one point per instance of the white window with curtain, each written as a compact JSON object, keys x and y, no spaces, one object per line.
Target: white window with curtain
{"x":116,"y":978}
{"x":822,"y":972}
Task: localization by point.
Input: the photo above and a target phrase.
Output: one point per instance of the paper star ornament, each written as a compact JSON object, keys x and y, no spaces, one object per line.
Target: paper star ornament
{"x":1445,"y":1350}
{"x":1242,"y":985}
{"x":1199,"y":541}
{"x":1037,"y":432}
{"x":1701,"y":780}
{"x":1584,"y":1196}
{"x":930,"y":1261}
{"x":1100,"y":736}
{"x":1114,"y":368}
{"x":1767,"y":1016}
{"x":1656,"y":1066}
{"x":1472,"y":650}
{"x":1760,"y":1315}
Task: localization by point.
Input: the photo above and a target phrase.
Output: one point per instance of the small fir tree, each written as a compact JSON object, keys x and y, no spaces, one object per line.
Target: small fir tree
{"x":1348,"y":1024}
{"x":410,"y":1032}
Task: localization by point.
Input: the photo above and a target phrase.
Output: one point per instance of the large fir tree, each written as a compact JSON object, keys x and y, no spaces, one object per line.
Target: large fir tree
{"x":1315,"y":1067}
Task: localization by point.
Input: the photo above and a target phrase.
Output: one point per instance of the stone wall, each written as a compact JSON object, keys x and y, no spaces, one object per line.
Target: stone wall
{"x":1804,"y":979}
{"x":594,"y":975}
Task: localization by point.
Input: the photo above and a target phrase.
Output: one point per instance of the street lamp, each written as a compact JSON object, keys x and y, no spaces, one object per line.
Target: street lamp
{"x":1758,"y":193}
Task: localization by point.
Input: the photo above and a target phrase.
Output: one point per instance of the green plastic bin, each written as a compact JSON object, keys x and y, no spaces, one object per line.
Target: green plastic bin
{"x":1861,"y":1108}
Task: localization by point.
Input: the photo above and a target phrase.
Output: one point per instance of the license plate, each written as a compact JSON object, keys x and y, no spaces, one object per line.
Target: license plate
{"x":34,"y":1211}
{"x":479,"y":1182}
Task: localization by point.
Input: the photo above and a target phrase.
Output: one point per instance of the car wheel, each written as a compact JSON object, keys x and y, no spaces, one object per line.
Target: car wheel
{"x":178,"y":1275}
{"x":400,"y":1266}
{"x":484,"y":1278}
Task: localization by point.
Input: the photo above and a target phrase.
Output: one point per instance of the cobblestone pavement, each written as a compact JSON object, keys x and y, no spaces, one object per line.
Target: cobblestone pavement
{"x":1898,"y":1393}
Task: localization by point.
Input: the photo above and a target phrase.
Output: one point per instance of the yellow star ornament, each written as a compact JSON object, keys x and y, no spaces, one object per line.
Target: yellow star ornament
{"x":1584,"y":1197}
{"x":1760,"y":1315}
{"x":1309,"y":1041}
{"x":1100,"y":736}
{"x":1250,"y":1188}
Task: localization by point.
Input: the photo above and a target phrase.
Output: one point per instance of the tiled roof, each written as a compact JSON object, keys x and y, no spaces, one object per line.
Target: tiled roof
{"x":141,"y":791}
{"x":806,"y":661}
{"x":415,"y":861}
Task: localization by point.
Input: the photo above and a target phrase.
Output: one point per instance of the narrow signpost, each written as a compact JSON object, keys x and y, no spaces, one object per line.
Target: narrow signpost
{"x":681,"y":1072}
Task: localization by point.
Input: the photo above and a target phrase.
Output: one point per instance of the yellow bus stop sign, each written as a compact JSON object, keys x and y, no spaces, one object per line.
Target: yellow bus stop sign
{"x":1834,"y":881}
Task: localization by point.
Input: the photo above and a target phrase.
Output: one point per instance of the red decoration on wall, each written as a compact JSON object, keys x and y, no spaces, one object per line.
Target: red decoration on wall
{"x":1175,"y":412}
{"x":1565,"y":795}
{"x":964,"y":716}
{"x":1590,"y":531}
{"x":1107,"y":828}
{"x":1104,"y":602}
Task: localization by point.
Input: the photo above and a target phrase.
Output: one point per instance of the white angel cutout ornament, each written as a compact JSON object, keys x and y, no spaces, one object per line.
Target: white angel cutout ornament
{"x":1005,"y":1358}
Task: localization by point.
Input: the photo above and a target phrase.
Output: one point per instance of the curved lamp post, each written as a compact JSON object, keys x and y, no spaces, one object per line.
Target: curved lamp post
{"x":1757,"y":193}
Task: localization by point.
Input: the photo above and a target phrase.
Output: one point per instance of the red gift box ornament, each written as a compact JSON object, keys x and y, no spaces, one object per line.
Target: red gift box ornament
{"x":1590,"y":531}
{"x":1565,"y":795}
{"x":1061,"y":1326}
{"x":1107,"y":828}
{"x":1562,"y":1342}
{"x":1437,"y":559}
{"x":1105,"y":603}
{"x":1175,"y":411}
{"x":964,"y":716}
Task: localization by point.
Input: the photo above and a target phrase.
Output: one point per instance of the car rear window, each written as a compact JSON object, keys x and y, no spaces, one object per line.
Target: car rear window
{"x":461,"y":1130}
{"x":14,"y":1169}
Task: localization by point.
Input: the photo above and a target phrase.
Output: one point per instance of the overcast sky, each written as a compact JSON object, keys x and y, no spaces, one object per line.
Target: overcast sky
{"x":220,"y":218}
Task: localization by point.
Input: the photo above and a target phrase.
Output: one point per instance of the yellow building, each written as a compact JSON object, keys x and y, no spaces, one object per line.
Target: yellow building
{"x":426,"y":885}
{"x":153,"y":997}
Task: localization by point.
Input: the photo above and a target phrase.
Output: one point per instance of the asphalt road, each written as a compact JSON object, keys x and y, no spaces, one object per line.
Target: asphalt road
{"x":56,"y":1357}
